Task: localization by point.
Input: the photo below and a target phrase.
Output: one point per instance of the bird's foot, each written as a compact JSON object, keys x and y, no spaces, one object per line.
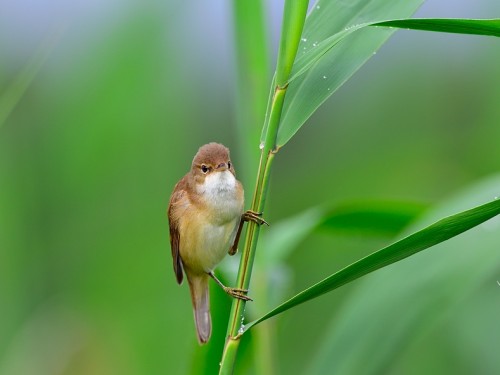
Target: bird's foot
{"x":237,"y":293}
{"x":256,"y":217}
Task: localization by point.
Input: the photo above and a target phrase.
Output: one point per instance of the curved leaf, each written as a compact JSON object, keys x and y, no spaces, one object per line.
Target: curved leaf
{"x":485,"y":27}
{"x":321,"y":70}
{"x":326,"y":19}
{"x":443,"y":301}
{"x":457,"y":26}
{"x":436,"y":233}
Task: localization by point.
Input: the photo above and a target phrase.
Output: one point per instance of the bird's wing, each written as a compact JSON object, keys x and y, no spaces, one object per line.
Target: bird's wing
{"x":177,"y":201}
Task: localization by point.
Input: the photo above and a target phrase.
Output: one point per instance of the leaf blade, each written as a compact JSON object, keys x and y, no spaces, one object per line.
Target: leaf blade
{"x":327,"y":18}
{"x":319,"y":72}
{"x":417,"y":300}
{"x":486,"y":27}
{"x":436,"y":233}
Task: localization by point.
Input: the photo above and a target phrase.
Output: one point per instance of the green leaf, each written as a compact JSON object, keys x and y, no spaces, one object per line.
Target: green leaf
{"x":457,"y":26}
{"x":321,"y":70}
{"x":368,"y":218}
{"x":307,"y":91}
{"x":436,"y":233}
{"x":443,"y":301}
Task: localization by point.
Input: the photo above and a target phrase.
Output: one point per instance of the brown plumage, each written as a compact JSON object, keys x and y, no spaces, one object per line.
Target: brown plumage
{"x":204,"y":213}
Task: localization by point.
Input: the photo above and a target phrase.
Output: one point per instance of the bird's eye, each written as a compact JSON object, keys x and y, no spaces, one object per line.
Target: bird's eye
{"x":204,"y":168}
{"x":229,"y":165}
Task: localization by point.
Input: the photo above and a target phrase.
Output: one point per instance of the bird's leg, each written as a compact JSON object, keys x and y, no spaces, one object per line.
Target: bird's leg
{"x":233,"y":292}
{"x":247,"y":216}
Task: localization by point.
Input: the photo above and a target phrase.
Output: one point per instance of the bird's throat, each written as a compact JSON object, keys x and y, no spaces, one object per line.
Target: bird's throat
{"x":222,"y":195}
{"x":218,"y":183}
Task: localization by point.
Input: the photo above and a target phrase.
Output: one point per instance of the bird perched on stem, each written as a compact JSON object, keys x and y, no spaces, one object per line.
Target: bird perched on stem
{"x":206,"y":217}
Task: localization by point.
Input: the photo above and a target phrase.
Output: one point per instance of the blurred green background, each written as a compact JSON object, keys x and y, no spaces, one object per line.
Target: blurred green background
{"x":92,"y":150}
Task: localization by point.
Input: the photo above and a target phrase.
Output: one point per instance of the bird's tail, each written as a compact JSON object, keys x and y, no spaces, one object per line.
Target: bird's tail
{"x":198,"y":285}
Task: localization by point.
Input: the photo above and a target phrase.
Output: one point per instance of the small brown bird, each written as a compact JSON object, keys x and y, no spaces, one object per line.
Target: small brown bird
{"x":206,"y":216}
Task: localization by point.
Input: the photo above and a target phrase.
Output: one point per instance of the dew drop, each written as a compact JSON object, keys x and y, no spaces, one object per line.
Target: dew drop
{"x":315,"y":44}
{"x":304,"y":39}
{"x":496,"y":198}
{"x":317,"y":6}
{"x":324,"y":77}
{"x":261,"y":146}
{"x":241,"y":330}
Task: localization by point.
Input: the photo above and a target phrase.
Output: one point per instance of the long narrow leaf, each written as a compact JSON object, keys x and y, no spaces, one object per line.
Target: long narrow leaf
{"x":432,"y":235}
{"x":490,"y":27}
{"x":457,"y":26}
{"x":440,"y":299}
{"x":319,"y":71}
{"x":307,"y":91}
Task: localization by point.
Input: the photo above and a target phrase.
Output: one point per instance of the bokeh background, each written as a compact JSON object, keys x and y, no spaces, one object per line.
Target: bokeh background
{"x":127,"y":93}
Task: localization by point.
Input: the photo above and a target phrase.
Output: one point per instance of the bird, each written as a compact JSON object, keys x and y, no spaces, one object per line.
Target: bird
{"x":206,"y":216}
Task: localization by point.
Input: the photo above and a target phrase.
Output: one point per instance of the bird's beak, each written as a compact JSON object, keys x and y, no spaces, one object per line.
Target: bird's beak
{"x":221,"y":167}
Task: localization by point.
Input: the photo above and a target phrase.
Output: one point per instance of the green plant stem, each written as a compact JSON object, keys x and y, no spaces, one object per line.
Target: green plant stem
{"x":258,"y":203}
{"x":253,"y":72}
{"x":293,"y":23}
{"x":248,"y":254}
{"x":294,"y":16}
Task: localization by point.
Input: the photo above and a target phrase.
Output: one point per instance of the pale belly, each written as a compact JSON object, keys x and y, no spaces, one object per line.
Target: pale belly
{"x":207,"y":244}
{"x":206,"y":234}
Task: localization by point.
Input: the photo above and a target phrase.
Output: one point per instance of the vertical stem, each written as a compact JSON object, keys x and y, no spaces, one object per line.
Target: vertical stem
{"x":258,"y":203}
{"x":293,"y":23}
{"x":294,"y":16}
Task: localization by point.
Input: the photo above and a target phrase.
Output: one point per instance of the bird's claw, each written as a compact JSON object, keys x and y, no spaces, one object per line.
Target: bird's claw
{"x":256,"y":217}
{"x":238,"y":293}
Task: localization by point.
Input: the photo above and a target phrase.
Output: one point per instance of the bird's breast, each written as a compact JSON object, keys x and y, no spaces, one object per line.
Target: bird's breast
{"x":222,"y":196}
